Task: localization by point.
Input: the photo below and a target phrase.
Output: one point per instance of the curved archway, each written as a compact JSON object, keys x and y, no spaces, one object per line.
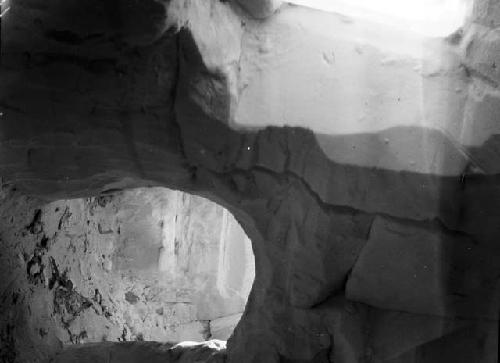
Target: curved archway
{"x":146,"y":264}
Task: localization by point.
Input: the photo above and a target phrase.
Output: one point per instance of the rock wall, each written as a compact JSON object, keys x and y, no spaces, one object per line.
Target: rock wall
{"x":360,"y":161}
{"x":145,"y":264}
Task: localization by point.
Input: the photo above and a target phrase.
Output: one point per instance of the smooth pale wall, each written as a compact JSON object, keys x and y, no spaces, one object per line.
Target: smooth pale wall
{"x":376,"y":95}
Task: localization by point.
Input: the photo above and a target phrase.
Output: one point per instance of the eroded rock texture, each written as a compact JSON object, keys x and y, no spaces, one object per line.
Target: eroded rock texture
{"x":375,"y":238}
{"x":145,"y":264}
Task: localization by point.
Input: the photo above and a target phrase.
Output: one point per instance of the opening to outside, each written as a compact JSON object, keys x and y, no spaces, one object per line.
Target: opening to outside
{"x":146,"y":264}
{"x":427,"y":17}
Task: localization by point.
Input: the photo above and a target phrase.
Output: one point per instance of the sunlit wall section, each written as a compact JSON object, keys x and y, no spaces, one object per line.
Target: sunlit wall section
{"x":377,"y":93}
{"x":427,"y":17}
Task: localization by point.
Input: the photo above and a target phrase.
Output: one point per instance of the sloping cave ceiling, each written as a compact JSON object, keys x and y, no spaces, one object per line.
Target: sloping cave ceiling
{"x":356,"y":261}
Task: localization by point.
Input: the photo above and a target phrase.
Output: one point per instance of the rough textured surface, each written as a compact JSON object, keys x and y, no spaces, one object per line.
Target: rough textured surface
{"x":103,"y":103}
{"x":145,"y":264}
{"x":432,"y":273}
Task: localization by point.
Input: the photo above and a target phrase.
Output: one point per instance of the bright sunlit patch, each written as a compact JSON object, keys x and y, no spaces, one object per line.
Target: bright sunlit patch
{"x":427,"y":17}
{"x":4,"y":7}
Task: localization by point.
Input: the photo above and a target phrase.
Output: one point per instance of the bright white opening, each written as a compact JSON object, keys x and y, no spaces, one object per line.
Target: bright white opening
{"x":427,"y":17}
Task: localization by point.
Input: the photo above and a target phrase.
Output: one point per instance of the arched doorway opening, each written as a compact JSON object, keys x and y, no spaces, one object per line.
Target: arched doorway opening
{"x":146,"y":264}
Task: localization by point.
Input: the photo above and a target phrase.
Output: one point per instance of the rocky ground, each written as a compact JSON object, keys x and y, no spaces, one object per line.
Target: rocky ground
{"x":135,"y":352}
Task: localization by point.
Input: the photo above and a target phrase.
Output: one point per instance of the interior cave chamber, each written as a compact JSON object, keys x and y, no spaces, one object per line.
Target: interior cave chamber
{"x":249,"y":181}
